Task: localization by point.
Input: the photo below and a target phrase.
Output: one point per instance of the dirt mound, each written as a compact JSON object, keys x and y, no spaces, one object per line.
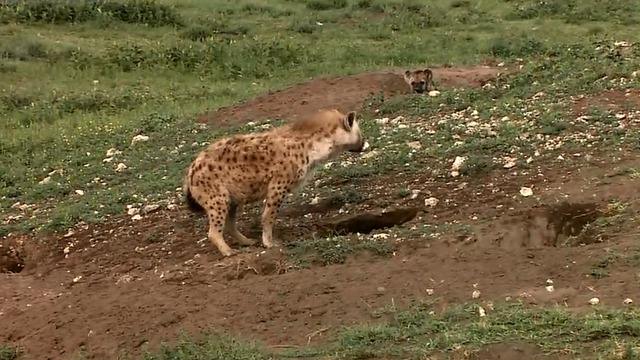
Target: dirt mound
{"x":344,"y":93}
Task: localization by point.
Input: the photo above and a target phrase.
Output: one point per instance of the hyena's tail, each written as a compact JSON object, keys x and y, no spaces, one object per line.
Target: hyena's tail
{"x":186,"y":190}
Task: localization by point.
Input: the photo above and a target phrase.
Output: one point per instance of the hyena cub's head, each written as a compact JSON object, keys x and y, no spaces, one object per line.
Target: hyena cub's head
{"x":419,"y":80}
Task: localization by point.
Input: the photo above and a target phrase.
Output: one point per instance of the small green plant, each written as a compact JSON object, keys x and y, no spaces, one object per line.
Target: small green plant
{"x":8,"y":352}
{"x":326,"y":4}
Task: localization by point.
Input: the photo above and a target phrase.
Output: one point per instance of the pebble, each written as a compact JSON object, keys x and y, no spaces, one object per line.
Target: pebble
{"x":526,"y":191}
{"x":594,"y":301}
{"x":475,"y":294}
{"x":627,"y":301}
{"x":431,"y":202}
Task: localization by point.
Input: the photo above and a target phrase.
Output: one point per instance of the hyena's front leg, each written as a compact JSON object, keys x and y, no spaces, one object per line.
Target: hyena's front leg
{"x":278,"y":189}
{"x":234,"y":209}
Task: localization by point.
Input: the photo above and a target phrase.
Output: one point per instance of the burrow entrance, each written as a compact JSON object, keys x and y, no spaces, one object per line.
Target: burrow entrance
{"x":564,"y":224}
{"x":12,"y":257}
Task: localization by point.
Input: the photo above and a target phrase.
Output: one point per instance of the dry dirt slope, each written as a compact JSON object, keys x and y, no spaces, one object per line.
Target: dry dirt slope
{"x":125,"y":287}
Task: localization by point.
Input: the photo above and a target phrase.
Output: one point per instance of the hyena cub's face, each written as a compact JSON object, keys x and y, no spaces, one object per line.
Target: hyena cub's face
{"x":419,"y":80}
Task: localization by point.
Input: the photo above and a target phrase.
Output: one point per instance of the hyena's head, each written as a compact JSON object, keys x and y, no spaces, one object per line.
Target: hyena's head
{"x":339,"y":132}
{"x":419,"y":80}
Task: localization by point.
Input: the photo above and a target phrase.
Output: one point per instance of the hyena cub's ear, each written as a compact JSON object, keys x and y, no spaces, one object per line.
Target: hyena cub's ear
{"x":349,"y":120}
{"x":407,"y":74}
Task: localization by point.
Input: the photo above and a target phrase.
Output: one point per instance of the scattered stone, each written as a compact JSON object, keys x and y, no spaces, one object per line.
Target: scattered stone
{"x":509,"y":163}
{"x":121,"y":167}
{"x":431,"y":202}
{"x":133,"y":211}
{"x":429,"y":292}
{"x":366,"y":146}
{"x":434,"y":93}
{"x":113,"y":152}
{"x":66,"y":250}
{"x":380,"y":289}
{"x":315,"y":200}
{"x":526,"y":191}
{"x":77,"y":278}
{"x":621,"y":116}
{"x":457,"y":164}
{"x":136,"y":217}
{"x":481,"y":311}
{"x":627,"y":301}
{"x":139,"y":138}
{"x":150,"y":208}
{"x":80,"y":192}
{"x":594,"y":301}
{"x":69,"y":233}
{"x":45,"y":180}
{"x":475,"y":294}
{"x":414,"y":194}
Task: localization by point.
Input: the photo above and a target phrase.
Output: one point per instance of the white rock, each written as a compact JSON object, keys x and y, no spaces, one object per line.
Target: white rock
{"x":434,"y":93}
{"x":366,"y":146}
{"x":526,"y":191}
{"x":121,"y":167}
{"x":429,"y":292}
{"x":481,"y":311}
{"x":594,"y":301}
{"x":635,"y":74}
{"x":315,"y":200}
{"x":382,"y":121}
{"x":133,"y":211}
{"x":621,"y":116}
{"x":457,"y":163}
{"x":45,"y":180}
{"x":77,"y":278}
{"x":549,"y":288}
{"x":475,"y":294}
{"x":150,"y":208}
{"x":509,"y":164}
{"x":68,"y":234}
{"x":113,"y":152}
{"x":66,"y":250}
{"x":397,"y":119}
{"x":501,"y":64}
{"x":431,"y":202}
{"x":139,"y":138}
{"x":136,"y":217}
{"x":414,"y":194}
{"x":107,"y":160}
{"x":627,"y":301}
{"x":505,"y":118}
{"x":80,"y":192}
{"x":380,"y":236}
{"x":415,"y":145}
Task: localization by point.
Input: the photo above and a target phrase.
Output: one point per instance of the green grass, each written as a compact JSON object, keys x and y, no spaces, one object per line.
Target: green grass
{"x":8,"y":352}
{"x":422,"y":331}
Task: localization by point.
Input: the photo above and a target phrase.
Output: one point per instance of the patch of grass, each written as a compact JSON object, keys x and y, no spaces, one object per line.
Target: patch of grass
{"x":213,"y":346}
{"x":8,"y":352}
{"x":334,"y":250}
{"x":146,"y":12}
{"x":326,"y":4}
{"x":424,"y":330}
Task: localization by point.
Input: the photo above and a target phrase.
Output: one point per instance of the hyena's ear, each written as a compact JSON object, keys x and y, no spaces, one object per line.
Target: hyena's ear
{"x":407,"y":74}
{"x":349,"y":120}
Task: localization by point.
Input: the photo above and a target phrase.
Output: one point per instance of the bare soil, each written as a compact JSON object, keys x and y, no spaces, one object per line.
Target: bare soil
{"x":124,"y":287}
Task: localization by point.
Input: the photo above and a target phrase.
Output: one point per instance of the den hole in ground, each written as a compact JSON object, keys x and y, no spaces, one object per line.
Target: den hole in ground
{"x":365,"y":223}
{"x":563,"y":224}
{"x":12,"y":257}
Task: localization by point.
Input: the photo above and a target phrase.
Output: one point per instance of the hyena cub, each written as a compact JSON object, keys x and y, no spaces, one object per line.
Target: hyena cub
{"x":421,"y":81}
{"x":264,"y":166}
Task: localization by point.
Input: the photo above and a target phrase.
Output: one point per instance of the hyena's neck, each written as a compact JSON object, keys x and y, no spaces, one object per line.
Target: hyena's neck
{"x":320,"y":150}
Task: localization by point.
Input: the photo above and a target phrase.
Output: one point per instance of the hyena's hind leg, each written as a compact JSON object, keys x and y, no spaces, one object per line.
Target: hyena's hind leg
{"x":217,"y":212}
{"x":234,"y":209}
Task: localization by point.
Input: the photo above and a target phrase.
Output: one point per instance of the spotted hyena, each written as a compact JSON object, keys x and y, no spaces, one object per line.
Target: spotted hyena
{"x":420,"y":81}
{"x":264,"y":166}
